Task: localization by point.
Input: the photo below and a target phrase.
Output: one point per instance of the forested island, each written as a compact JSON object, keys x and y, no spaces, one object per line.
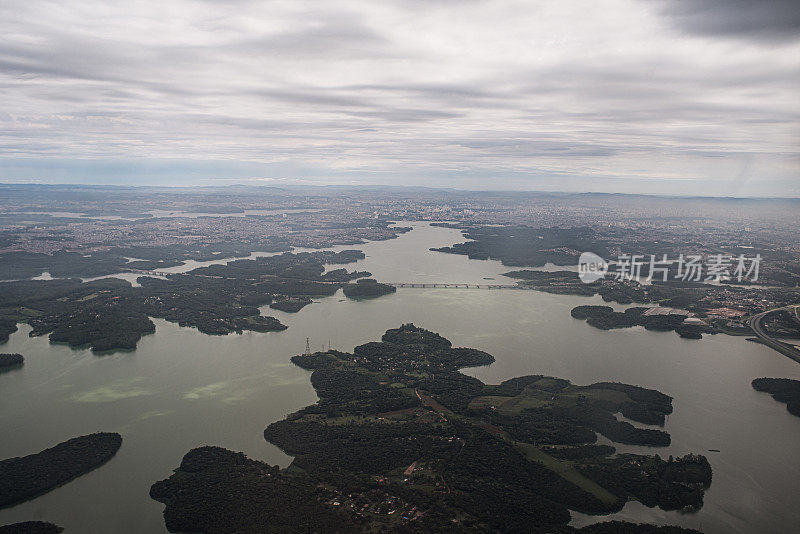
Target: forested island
{"x":110,"y":314}
{"x":11,"y":361}
{"x":31,"y":527}
{"x":18,"y":264}
{"x":367,"y":287}
{"x":401,"y":441}
{"x":605,"y":318}
{"x":783,"y":390}
{"x":519,"y":246}
{"x":29,"y":476}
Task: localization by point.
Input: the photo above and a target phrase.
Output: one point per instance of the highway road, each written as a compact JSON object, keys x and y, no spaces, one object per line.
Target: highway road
{"x":784,"y":348}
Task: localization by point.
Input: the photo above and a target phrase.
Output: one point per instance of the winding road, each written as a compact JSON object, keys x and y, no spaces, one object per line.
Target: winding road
{"x":784,"y":348}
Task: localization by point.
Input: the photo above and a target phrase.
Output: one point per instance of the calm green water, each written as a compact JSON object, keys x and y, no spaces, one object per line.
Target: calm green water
{"x":180,"y":389}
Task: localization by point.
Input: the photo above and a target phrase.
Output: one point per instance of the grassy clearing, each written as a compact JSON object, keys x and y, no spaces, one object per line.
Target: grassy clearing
{"x":488,"y":400}
{"x":513,"y":405}
{"x":567,"y":471}
{"x":516,"y":405}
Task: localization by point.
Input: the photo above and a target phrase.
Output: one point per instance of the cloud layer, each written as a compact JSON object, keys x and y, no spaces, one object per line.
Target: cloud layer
{"x":663,"y":96}
{"x":766,"y":20}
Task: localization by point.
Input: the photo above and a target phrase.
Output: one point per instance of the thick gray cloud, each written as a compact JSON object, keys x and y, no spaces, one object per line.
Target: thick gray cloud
{"x":769,"y":20}
{"x":623,"y":95}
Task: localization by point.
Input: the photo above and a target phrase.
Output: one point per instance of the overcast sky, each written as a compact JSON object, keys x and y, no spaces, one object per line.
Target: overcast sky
{"x":652,"y":96}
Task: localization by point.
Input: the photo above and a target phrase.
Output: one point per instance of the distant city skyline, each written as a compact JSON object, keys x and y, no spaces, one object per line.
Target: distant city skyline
{"x":665,"y":97}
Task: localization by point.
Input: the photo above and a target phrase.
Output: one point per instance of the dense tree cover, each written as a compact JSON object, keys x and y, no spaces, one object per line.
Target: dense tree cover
{"x":31,"y":527}
{"x":350,"y":391}
{"x":318,"y":359}
{"x":589,"y":311}
{"x":217,"y":490}
{"x":8,"y":325}
{"x":290,"y":305}
{"x":520,"y":246}
{"x":670,"y":293}
{"x":689,"y":331}
{"x":303,"y":266}
{"x":605,"y":318}
{"x":221,"y":299}
{"x":231,"y":493}
{"x":152,"y":265}
{"x":110,"y":314}
{"x":495,"y":482}
{"x":551,"y":425}
{"x":409,"y":347}
{"x":558,"y":282}
{"x":94,"y":313}
{"x":367,"y":287}
{"x":646,"y":405}
{"x":397,"y":443}
{"x":553,"y":411}
{"x":561,"y":422}
{"x":453,"y":389}
{"x":29,"y":476}
{"x":11,"y":360}
{"x":670,"y":484}
{"x":343,"y":275}
{"x":624,"y":432}
{"x":412,"y":339}
{"x":515,"y":386}
{"x":215,"y":306}
{"x":783,"y":390}
{"x":544,"y":277}
{"x":113,"y":326}
{"x":38,"y":293}
{"x":18,"y":265}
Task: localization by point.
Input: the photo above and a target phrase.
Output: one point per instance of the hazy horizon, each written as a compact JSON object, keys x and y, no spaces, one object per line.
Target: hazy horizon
{"x":389,"y":188}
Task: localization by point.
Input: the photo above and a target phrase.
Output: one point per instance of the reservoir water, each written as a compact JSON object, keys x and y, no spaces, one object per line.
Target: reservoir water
{"x":181,"y":389}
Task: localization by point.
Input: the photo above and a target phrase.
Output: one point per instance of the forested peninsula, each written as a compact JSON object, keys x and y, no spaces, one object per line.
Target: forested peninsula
{"x":401,"y":441}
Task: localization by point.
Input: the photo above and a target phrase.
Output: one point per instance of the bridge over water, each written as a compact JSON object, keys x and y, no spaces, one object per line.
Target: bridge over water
{"x":425,"y":285}
{"x":444,"y":285}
